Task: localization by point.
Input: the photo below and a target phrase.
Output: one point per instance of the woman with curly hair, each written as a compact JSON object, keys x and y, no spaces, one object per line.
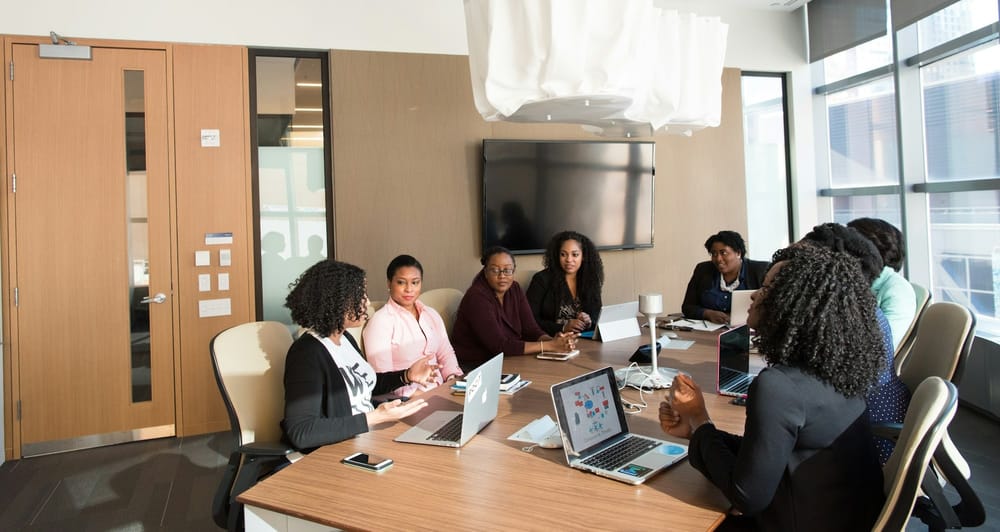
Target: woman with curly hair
{"x":806,"y":459}
{"x":566,"y":295}
{"x":328,"y":384}
{"x":893,"y":293}
{"x":709,"y":292}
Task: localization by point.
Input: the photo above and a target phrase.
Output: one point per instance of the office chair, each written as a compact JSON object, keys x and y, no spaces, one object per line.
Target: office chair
{"x":249,"y":365}
{"x":939,"y":349}
{"x":373,"y":307}
{"x":445,"y":301}
{"x":903,"y":349}
{"x":931,"y":409}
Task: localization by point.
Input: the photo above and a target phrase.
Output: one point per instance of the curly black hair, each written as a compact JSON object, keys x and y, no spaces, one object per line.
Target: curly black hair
{"x":818,"y":315}
{"x":402,"y":261}
{"x":729,"y":238}
{"x":843,"y":239}
{"x":326,"y":294}
{"x":887,"y":239}
{"x":590,"y":276}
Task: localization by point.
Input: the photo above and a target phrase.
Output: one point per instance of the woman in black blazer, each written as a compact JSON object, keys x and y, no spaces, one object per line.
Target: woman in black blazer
{"x":709,"y":292}
{"x":566,"y":295}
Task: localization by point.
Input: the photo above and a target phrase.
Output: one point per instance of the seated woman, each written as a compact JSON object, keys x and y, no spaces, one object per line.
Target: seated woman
{"x":806,"y":459}
{"x":405,"y":330}
{"x":889,"y":399}
{"x":709,"y":292}
{"x":328,"y":384}
{"x":566,"y":295}
{"x":494,"y":316}
{"x":893,"y":293}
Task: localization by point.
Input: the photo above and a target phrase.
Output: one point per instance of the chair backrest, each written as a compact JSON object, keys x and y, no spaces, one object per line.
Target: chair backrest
{"x":445,"y":301}
{"x":249,"y":364}
{"x":356,"y":332}
{"x":940,"y":345}
{"x":903,"y":347}
{"x":931,"y":409}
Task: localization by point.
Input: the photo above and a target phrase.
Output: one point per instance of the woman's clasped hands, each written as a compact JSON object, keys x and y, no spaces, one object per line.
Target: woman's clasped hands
{"x":684,"y":411}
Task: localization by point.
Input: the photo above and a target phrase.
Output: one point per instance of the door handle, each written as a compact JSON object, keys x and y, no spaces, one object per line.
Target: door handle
{"x":158,"y":298}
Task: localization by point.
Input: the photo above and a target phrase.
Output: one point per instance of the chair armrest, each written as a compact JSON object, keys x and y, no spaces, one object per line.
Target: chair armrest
{"x":265,"y":449}
{"x":888,"y":431}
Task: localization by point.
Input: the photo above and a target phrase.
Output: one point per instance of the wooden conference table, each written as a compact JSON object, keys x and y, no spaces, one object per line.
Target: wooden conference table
{"x":490,"y":483}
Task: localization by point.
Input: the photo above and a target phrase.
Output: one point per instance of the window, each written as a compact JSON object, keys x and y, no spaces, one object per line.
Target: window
{"x":292,"y":170}
{"x":947,"y":201}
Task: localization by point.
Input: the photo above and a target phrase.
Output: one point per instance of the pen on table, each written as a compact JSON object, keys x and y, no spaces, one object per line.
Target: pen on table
{"x":703,"y":324}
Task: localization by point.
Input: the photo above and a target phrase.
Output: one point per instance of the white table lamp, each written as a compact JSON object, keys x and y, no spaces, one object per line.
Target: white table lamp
{"x":651,"y":306}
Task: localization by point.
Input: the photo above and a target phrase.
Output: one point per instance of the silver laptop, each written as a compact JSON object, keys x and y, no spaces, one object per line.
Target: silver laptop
{"x":621,"y":318}
{"x":740,"y":307}
{"x":595,"y":434}
{"x":734,"y":376}
{"x":454,"y":429}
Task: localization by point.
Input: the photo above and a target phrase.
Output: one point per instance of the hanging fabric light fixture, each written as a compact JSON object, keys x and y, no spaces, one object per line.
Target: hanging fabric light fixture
{"x":617,"y":67}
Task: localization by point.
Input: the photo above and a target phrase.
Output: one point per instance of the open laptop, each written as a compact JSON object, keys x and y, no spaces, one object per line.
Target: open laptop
{"x":740,"y":307}
{"x":734,"y":375}
{"x":595,"y":434}
{"x":617,"y":321}
{"x":454,"y":429}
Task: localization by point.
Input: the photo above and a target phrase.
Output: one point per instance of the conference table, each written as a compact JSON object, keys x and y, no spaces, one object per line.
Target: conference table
{"x":492,"y":482}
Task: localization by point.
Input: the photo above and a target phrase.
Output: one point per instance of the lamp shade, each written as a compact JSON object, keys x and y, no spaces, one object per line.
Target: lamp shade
{"x":618,"y":67}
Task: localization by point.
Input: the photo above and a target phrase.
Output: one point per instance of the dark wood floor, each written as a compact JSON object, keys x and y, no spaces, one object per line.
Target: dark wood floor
{"x":168,"y":484}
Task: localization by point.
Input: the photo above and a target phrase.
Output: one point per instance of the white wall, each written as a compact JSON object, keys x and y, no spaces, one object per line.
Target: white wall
{"x":763,"y":40}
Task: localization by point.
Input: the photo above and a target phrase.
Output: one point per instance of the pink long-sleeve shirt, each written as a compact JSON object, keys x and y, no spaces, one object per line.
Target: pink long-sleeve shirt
{"x":394,"y":340}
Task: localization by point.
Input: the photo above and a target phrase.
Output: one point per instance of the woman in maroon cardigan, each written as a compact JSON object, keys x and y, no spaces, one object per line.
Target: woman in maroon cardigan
{"x":494,"y":316}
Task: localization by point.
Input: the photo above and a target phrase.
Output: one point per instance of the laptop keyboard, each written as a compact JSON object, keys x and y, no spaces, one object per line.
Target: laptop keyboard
{"x":450,"y":431}
{"x":733,"y":381}
{"x":621,"y":453}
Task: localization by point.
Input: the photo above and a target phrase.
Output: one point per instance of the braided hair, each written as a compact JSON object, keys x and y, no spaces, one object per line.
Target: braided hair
{"x":326,"y":294}
{"x":818,"y":315}
{"x":887,"y":239}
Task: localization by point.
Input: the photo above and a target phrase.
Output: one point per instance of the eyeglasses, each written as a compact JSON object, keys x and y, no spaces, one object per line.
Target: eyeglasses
{"x":497,"y":272}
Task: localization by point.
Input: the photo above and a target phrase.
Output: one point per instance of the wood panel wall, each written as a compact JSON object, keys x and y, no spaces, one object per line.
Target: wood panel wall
{"x":9,"y":398}
{"x":408,"y":175}
{"x":213,"y":196}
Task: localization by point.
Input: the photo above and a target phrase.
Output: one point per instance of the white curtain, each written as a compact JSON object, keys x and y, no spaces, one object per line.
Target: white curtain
{"x":617,"y":66}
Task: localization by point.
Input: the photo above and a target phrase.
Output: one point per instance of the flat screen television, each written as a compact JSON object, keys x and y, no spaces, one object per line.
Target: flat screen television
{"x":533,"y":189}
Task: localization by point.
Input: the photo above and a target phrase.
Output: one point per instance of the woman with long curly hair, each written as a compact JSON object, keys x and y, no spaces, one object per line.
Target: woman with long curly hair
{"x":806,"y":458}
{"x":566,"y":295}
{"x":328,"y":384}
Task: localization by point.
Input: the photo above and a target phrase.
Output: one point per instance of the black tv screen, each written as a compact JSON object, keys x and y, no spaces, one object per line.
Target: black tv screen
{"x":534,"y":189}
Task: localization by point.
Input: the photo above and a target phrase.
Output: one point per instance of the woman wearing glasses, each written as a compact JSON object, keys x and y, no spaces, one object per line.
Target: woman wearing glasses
{"x":709,"y":292}
{"x":494,"y":316}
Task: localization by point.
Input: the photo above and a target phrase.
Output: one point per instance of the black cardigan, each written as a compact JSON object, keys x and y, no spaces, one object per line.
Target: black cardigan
{"x":317,"y":405}
{"x":706,"y":274}
{"x":546,"y":295}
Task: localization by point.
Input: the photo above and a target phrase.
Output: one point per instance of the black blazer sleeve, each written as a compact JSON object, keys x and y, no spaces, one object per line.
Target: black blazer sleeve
{"x":544,"y":301}
{"x":701,"y":280}
{"x":756,"y":270}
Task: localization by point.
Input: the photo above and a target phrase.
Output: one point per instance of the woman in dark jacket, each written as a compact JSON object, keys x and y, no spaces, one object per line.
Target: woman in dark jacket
{"x":566,"y":295}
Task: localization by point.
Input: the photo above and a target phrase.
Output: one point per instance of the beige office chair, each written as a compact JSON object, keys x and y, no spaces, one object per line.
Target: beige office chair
{"x":445,"y":301}
{"x":903,"y":349}
{"x":356,"y":332}
{"x":249,"y":365}
{"x":939,"y":349}
{"x":931,"y":409}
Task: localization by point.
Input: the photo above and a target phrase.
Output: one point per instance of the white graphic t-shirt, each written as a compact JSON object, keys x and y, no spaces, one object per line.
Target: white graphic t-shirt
{"x":358,"y":374}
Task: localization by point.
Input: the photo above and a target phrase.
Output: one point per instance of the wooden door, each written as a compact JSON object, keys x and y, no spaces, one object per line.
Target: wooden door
{"x":92,"y":239}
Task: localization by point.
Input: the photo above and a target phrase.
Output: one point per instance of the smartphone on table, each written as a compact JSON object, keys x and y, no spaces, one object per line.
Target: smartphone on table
{"x":368,"y":462}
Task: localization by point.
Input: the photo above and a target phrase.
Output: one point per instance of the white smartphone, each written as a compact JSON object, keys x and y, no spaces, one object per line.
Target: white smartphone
{"x":368,"y":461}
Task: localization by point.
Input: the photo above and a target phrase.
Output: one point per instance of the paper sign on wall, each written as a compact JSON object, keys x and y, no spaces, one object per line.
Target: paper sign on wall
{"x":210,"y":138}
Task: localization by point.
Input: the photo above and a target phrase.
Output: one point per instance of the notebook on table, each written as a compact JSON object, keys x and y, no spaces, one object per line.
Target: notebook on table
{"x":455,"y":429}
{"x":595,"y":433}
{"x":734,"y":376}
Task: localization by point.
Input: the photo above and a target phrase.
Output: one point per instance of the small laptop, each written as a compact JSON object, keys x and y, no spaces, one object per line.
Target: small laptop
{"x":734,"y":375}
{"x":595,"y":434}
{"x":617,"y":322}
{"x":454,"y":429}
{"x":740,"y":307}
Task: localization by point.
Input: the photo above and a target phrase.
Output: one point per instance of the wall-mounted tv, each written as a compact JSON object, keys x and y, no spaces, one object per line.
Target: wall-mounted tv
{"x":533,"y":189}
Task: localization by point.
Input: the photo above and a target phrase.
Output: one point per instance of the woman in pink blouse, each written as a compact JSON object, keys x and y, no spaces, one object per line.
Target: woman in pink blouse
{"x":404,"y":330}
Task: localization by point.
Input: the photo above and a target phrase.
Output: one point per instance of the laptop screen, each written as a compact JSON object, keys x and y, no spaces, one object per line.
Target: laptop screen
{"x":589,"y":409}
{"x":734,"y":355}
